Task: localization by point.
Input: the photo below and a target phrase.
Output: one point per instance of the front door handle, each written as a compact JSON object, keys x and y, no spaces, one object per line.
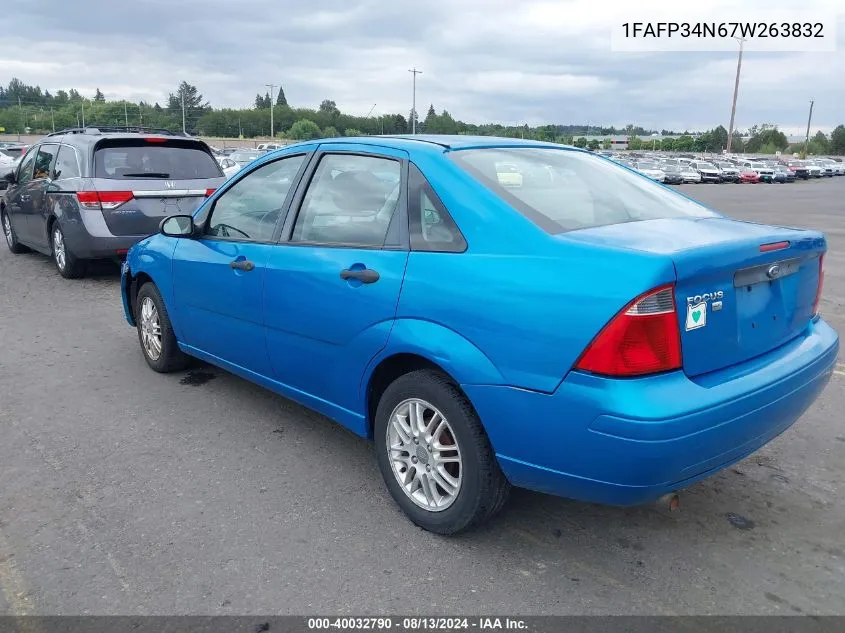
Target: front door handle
{"x":25,"y":197}
{"x":242,"y":264}
{"x":367,"y":275}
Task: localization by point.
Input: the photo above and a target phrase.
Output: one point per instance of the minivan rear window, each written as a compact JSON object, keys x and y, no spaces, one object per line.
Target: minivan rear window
{"x":137,"y":159}
{"x":563,"y":190}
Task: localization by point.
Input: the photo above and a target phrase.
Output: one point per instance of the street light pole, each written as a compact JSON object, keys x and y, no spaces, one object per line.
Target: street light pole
{"x":807,"y":138}
{"x":741,"y":41}
{"x":271,"y":86}
{"x":414,"y":102}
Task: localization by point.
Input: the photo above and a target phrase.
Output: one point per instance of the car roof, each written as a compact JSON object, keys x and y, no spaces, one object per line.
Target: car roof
{"x":436,"y":142}
{"x":90,"y":135}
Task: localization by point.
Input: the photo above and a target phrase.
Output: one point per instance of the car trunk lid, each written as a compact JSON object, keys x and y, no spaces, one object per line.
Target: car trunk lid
{"x":742,"y":289}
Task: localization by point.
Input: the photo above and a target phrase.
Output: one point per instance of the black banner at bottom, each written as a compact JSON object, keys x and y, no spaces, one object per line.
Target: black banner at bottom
{"x":414,"y":624}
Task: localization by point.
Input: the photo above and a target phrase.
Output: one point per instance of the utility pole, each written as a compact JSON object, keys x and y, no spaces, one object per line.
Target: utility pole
{"x":807,"y":138}
{"x":184,"y":129}
{"x":125,"y":114}
{"x":83,"y":113}
{"x":414,"y":102}
{"x":53,"y":118}
{"x":23,"y":121}
{"x":271,"y":87}
{"x":741,"y":41}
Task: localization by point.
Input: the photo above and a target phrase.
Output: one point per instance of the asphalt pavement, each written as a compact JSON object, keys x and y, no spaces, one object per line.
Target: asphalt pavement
{"x":123,"y":491}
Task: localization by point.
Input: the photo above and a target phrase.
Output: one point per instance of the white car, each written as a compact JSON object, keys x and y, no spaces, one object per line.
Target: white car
{"x":650,"y":169}
{"x":690,"y":174}
{"x":815,"y":171}
{"x":709,"y":172}
{"x":836,"y":169}
{"x":230,"y":167}
{"x":269,"y":147}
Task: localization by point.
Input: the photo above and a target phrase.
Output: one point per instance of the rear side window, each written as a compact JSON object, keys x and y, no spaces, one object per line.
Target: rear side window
{"x":563,"y":190}
{"x":432,"y":228}
{"x":131,"y":159}
{"x":66,"y":164}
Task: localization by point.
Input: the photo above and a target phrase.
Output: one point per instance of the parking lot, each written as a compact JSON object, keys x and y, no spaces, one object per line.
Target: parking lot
{"x":126,"y":491}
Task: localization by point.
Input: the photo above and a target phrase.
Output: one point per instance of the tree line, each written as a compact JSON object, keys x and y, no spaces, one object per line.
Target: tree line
{"x":25,"y":108}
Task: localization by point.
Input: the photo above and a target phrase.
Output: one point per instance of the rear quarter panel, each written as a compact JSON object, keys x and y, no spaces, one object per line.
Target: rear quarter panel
{"x":529,"y":302}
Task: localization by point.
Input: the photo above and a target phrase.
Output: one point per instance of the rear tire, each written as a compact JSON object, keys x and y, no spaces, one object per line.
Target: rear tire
{"x":462,"y":485}
{"x":9,"y":233}
{"x":68,"y":265}
{"x":155,"y":333}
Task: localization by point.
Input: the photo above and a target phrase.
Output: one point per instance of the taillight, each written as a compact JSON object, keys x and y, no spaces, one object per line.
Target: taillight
{"x":209,"y":192}
{"x":105,"y":200}
{"x":820,"y":287}
{"x":644,"y":338}
{"x":155,"y":139}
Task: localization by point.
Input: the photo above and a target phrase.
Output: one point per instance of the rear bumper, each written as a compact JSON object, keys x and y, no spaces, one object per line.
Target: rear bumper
{"x":626,"y":442}
{"x":91,"y":242}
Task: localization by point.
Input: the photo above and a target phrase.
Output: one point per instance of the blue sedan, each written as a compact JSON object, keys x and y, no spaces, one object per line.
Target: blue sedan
{"x":493,"y":313}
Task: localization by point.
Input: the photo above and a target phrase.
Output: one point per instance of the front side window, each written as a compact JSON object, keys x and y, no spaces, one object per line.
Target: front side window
{"x":350,"y":200}
{"x":250,"y":209}
{"x":563,"y":190}
{"x":25,"y":169}
{"x":66,"y":164}
{"x":44,"y":160}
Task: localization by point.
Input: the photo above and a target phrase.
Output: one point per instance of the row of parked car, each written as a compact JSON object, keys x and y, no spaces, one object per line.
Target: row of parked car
{"x":673,"y":170}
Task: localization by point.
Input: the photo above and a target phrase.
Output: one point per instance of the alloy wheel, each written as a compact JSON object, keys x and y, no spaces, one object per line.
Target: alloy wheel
{"x":7,"y":230}
{"x":59,"y":248}
{"x":424,"y":454}
{"x":150,"y":329}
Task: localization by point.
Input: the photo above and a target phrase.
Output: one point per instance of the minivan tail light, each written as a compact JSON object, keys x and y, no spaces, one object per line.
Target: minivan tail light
{"x":105,"y":200}
{"x":643,"y":338}
{"x":820,"y":287}
{"x":209,"y":192}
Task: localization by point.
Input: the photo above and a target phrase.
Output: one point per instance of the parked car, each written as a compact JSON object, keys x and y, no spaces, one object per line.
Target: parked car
{"x":784,"y":174}
{"x":728,"y":171}
{"x":709,"y":172}
{"x":13,"y":149}
{"x":766,"y":173}
{"x":831,"y":167}
{"x":268,"y":147}
{"x":229,"y":167}
{"x":799,"y":169}
{"x":672,"y":175}
{"x":746,"y":174}
{"x":650,"y":169}
{"x":374,"y":281}
{"x":814,"y":170}
{"x":244,"y":157}
{"x":92,"y":193}
{"x":690,"y":174}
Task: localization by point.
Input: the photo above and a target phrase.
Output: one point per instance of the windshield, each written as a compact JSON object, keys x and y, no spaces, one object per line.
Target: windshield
{"x":562,"y":190}
{"x":706,"y":166}
{"x":671,"y":168}
{"x":645,"y":164}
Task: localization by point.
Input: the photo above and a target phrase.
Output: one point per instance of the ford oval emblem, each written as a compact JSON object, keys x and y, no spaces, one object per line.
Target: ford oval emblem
{"x":773,"y":272}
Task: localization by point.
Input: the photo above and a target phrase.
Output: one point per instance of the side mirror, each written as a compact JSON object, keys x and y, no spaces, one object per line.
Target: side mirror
{"x":177,"y":226}
{"x":10,"y":177}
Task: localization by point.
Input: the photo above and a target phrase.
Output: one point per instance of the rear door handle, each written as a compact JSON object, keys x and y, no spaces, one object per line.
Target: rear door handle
{"x":25,"y":197}
{"x":367,"y":275}
{"x":242,"y":264}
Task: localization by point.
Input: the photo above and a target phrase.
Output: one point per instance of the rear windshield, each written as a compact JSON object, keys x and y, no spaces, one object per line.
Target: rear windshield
{"x":133,"y":159}
{"x":563,"y":190}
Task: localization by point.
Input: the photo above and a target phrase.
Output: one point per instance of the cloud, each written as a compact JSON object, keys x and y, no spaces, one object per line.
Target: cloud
{"x":531,"y":61}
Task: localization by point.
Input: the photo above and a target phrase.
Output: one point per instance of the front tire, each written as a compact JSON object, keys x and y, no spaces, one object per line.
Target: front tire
{"x":68,"y":265}
{"x":434,"y":455}
{"x":8,"y":232}
{"x":155,"y":333}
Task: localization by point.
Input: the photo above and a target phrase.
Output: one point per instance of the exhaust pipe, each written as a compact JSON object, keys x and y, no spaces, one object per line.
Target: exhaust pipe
{"x":672,"y":501}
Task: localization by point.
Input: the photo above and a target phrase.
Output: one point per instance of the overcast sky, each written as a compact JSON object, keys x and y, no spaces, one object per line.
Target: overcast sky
{"x":508,"y":61}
